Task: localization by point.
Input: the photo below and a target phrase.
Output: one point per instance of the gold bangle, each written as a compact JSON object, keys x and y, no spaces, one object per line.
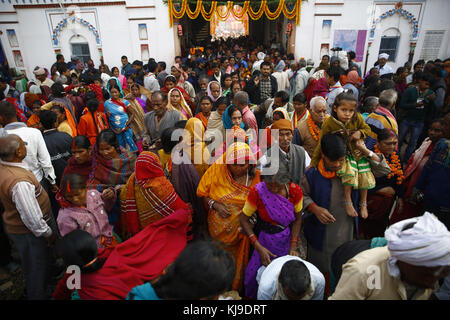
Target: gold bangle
{"x":90,"y":263}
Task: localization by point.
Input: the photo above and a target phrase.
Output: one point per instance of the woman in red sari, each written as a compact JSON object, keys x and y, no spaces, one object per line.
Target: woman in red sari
{"x":111,"y":273}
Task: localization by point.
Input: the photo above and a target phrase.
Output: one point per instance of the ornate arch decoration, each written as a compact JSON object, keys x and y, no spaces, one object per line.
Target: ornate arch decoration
{"x":63,"y":23}
{"x":402,"y":12}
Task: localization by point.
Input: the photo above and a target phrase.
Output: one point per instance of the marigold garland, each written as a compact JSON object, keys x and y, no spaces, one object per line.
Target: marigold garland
{"x":194,"y":14}
{"x":238,"y":14}
{"x":276,"y":14}
{"x":228,"y":9}
{"x":313,"y":128}
{"x":395,"y":165}
{"x":208,"y":15}
{"x":324,"y":172}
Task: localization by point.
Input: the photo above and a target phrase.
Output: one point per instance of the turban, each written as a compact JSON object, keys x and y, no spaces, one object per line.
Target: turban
{"x":310,"y":62}
{"x":261,"y":55}
{"x":35,"y":89}
{"x":426,"y":244}
{"x":383,"y":55}
{"x":282,"y":124}
{"x":39,"y":71}
{"x":30,"y":98}
{"x":280,"y":66}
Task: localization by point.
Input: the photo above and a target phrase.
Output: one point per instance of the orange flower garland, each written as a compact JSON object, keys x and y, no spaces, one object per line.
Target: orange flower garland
{"x":282,"y":8}
{"x":395,"y":165}
{"x":324,"y":172}
{"x":313,"y":128}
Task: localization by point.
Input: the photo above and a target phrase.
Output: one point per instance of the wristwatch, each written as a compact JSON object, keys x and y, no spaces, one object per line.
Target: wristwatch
{"x":370,"y":154}
{"x":211,"y":204}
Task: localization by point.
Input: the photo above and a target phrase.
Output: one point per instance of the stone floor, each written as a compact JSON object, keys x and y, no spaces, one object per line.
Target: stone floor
{"x":12,"y":286}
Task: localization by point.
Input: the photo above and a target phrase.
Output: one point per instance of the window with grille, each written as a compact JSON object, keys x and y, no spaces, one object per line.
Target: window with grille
{"x":389,"y":45}
{"x":81,"y":50}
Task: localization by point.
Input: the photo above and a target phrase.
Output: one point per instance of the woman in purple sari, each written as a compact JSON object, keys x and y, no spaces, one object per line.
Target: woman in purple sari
{"x":277,"y":206}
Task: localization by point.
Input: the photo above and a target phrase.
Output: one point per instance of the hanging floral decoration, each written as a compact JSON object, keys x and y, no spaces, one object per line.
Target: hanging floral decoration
{"x":181,"y":8}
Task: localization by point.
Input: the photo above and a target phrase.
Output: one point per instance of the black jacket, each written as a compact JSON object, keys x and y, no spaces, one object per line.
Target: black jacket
{"x":59,"y":145}
{"x":254,"y":92}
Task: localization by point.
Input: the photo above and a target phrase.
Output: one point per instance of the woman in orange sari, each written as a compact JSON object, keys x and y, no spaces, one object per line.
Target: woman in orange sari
{"x":224,"y":188}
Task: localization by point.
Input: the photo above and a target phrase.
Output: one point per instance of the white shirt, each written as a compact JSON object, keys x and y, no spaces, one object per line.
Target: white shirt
{"x":267,"y":278}
{"x":24,"y":197}
{"x":282,"y":80}
{"x":151,"y":83}
{"x":301,"y":81}
{"x":38,"y":159}
{"x":336,"y":90}
{"x":47,"y":82}
{"x":6,"y":91}
{"x":385,"y":70}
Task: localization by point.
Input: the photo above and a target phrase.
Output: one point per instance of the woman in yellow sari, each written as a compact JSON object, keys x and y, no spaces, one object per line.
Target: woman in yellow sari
{"x":224,"y":188}
{"x":194,"y":145}
{"x":177,"y":102}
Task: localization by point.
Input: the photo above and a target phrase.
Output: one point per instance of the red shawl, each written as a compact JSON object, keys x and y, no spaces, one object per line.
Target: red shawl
{"x":110,"y":172}
{"x":120,"y":103}
{"x":157,"y":190}
{"x":139,"y":259}
{"x":309,"y":89}
{"x":83,"y":169}
{"x":321,"y":88}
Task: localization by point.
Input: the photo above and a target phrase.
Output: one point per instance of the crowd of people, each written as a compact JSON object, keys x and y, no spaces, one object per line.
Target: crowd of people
{"x":237,"y":174}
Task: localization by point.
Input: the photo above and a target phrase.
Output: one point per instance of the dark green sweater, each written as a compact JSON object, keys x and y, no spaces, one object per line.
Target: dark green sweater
{"x":408,"y":104}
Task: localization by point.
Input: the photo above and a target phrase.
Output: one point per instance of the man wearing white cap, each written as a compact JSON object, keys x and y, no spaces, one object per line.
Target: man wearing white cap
{"x":257,"y":64}
{"x":416,"y":257}
{"x":41,"y":77}
{"x":382,"y":64}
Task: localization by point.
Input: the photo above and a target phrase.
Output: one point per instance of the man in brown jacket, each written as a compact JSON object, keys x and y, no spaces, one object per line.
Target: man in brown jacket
{"x":27,"y":216}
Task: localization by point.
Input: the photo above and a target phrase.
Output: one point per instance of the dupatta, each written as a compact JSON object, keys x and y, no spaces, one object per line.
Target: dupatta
{"x":185,"y":110}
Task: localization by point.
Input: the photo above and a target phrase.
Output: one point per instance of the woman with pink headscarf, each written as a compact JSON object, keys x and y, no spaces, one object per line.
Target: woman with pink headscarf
{"x":353,"y":83}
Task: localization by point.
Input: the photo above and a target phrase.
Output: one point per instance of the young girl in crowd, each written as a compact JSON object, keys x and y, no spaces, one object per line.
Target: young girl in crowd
{"x":300,"y":112}
{"x":92,"y":122}
{"x":81,"y":160}
{"x":356,"y":172}
{"x":86,"y":210}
